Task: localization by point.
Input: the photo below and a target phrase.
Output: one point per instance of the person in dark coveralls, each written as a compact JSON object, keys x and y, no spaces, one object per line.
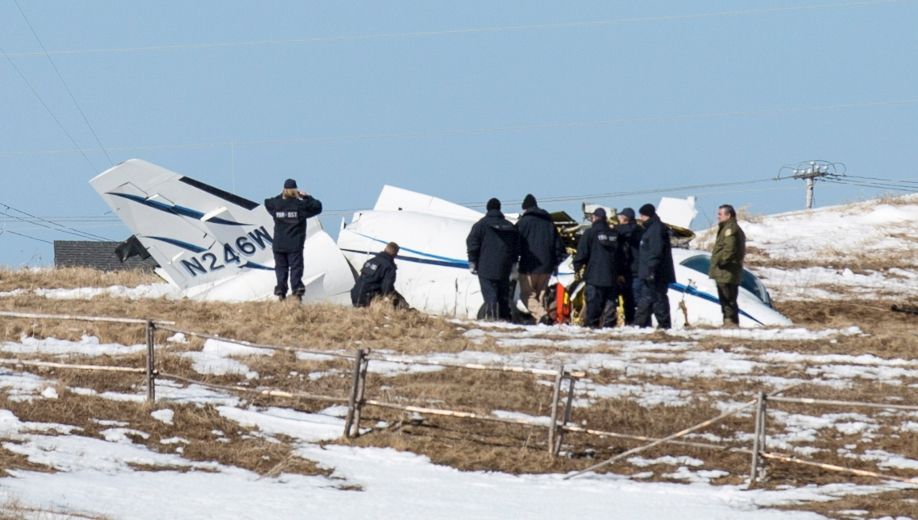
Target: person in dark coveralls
{"x":629,"y":234}
{"x":493,"y":247}
{"x":655,"y":270}
{"x":727,"y":263}
{"x":377,"y":279}
{"x":600,"y":252}
{"x":541,"y":250}
{"x":290,"y":210}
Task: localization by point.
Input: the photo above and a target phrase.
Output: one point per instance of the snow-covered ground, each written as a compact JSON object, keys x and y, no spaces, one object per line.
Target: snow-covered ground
{"x":99,"y":476}
{"x":153,"y":290}
{"x":866,"y":249}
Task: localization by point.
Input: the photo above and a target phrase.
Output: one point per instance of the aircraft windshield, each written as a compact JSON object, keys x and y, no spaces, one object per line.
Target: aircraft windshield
{"x":702,"y":263}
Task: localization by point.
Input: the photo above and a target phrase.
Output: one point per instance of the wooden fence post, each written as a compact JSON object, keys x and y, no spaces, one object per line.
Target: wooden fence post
{"x":355,"y":388}
{"x":757,"y":440}
{"x":568,"y":409}
{"x":151,"y":364}
{"x":361,"y":390}
{"x":556,"y":396}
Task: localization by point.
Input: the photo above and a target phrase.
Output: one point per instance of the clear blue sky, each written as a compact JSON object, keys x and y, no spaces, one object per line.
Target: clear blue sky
{"x":463,"y":100}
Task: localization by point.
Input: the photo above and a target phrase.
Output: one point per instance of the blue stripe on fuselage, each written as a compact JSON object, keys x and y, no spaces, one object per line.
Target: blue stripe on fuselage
{"x":453,"y":262}
{"x":706,"y":296}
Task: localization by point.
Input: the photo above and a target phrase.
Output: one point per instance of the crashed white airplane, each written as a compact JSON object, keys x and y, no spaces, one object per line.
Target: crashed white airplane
{"x":215,"y":245}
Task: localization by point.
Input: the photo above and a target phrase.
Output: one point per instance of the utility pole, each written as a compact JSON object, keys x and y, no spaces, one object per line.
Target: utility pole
{"x":810,"y":171}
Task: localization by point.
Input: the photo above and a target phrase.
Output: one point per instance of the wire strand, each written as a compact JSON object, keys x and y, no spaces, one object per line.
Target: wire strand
{"x":875,"y":186}
{"x":468,"y":30}
{"x":452,"y":132}
{"x":64,"y":82}
{"x":896,"y":181}
{"x":619,"y":194}
{"x":58,"y":227}
{"x":48,"y":109}
{"x":10,"y":231}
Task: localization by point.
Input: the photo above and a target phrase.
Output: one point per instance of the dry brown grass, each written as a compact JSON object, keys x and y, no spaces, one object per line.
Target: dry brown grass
{"x":196,"y":424}
{"x":859,"y":261}
{"x":320,"y":326}
{"x":15,"y":510}
{"x":14,"y":461}
{"x":890,"y":504}
{"x":71,"y":278}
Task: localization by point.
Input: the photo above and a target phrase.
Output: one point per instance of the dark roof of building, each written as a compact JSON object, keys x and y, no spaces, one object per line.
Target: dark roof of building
{"x":97,"y":255}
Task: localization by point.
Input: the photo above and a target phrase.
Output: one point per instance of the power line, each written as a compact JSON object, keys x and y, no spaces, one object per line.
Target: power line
{"x":66,"y":87}
{"x":468,"y":30}
{"x":619,"y":194}
{"x":25,"y":236}
{"x":891,"y":181}
{"x":58,"y":227}
{"x":875,"y":186}
{"x":449,"y":132}
{"x":48,"y":109}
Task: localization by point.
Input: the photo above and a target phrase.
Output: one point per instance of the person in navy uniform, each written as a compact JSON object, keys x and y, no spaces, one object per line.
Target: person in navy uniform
{"x":629,"y":287}
{"x":599,"y":252}
{"x":655,"y":270}
{"x":493,"y":247}
{"x":377,"y":279}
{"x":290,"y":210}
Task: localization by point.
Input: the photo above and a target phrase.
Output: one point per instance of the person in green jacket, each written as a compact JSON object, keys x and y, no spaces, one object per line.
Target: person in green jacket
{"x":727,"y":263}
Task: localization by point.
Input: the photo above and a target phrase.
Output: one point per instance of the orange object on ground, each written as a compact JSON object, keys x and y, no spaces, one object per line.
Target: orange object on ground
{"x":562,"y":304}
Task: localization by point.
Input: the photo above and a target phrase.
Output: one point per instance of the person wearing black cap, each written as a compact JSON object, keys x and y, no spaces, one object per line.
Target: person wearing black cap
{"x":629,"y":288}
{"x":655,"y":270}
{"x":290,"y":210}
{"x":493,"y":247}
{"x":600,"y":253}
{"x":541,"y":250}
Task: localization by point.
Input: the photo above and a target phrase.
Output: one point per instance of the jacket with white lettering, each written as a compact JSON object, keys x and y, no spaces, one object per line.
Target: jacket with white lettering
{"x":377,"y":278}
{"x":600,"y":251}
{"x":290,"y":221}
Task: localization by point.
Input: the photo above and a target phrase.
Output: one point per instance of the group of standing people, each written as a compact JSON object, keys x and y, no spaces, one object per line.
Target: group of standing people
{"x":532,"y":246}
{"x":631,"y":261}
{"x":628,"y":261}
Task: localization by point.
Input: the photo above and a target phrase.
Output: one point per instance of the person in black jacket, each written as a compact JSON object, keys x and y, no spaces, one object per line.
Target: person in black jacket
{"x":629,"y":286}
{"x":655,"y":270}
{"x":377,"y":279}
{"x":290,"y":210}
{"x":493,"y":247}
{"x":599,"y":251}
{"x":541,"y":250}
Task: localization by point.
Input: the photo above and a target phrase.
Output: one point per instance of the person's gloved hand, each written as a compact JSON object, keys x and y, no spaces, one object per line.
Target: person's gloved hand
{"x":473,"y":267}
